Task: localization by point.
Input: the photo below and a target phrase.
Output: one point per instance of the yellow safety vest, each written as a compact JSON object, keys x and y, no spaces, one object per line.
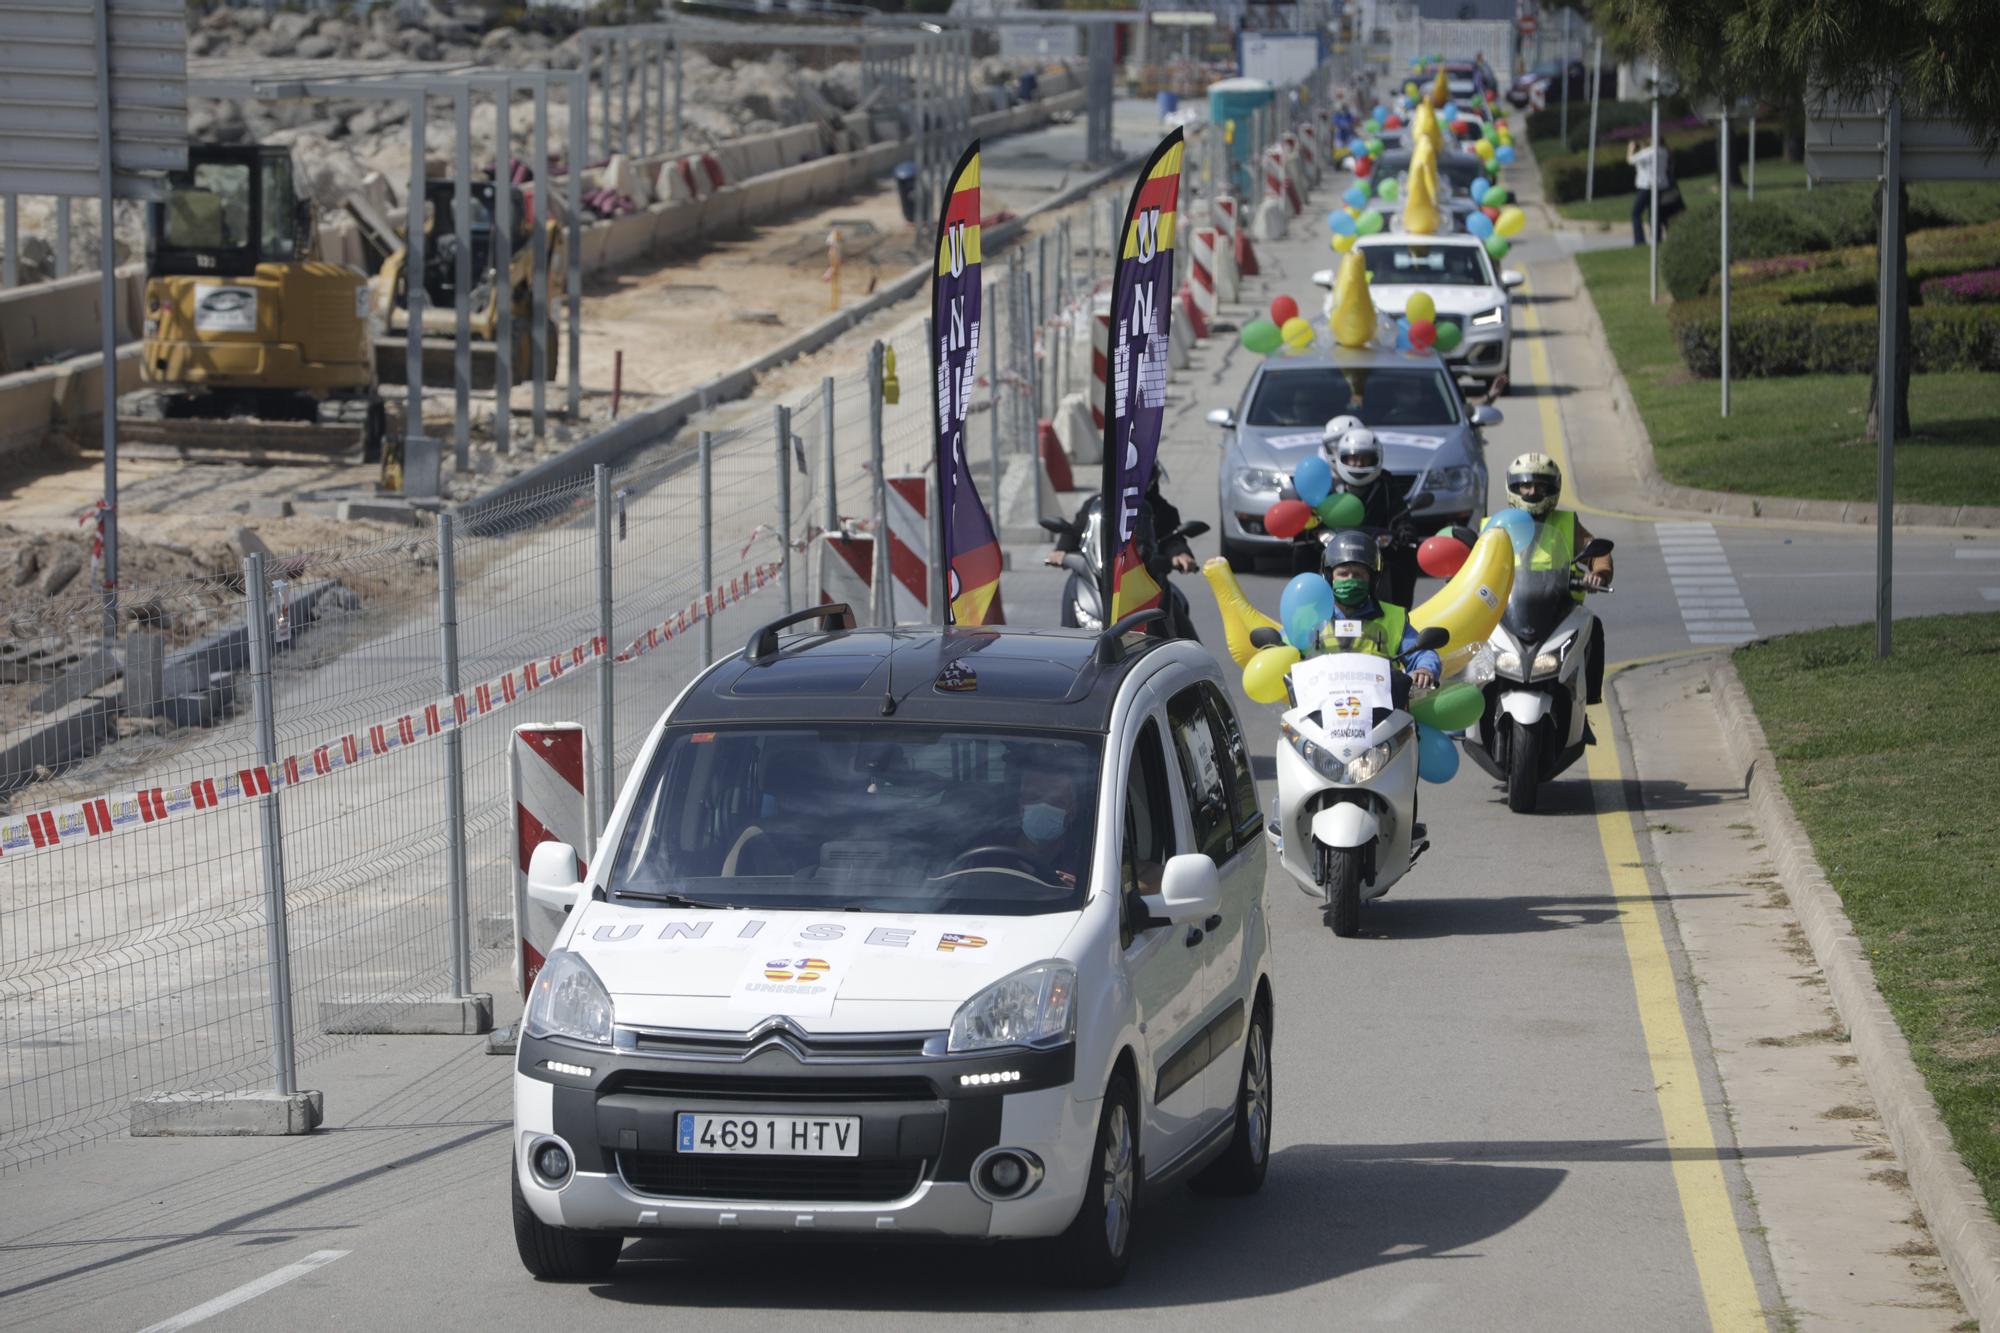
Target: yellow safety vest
{"x":1380,"y":637}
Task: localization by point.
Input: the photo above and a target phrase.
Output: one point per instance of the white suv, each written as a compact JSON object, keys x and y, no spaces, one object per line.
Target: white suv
{"x":1462,"y":281}
{"x":933,"y":932}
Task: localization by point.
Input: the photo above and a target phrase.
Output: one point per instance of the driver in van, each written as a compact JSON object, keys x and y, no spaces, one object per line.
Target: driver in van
{"x":1047,"y":822}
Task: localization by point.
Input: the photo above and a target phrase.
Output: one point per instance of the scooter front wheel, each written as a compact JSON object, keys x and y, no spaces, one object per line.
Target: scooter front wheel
{"x":1524,"y":767}
{"x":1340,"y":877}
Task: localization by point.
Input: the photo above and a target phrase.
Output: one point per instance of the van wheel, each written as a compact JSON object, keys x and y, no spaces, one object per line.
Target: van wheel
{"x":560,"y":1254}
{"x":1240,"y":1169}
{"x":1342,"y":882}
{"x":1524,"y":766}
{"x":1097,"y":1248}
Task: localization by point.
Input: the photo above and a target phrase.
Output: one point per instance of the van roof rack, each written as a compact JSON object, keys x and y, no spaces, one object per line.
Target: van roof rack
{"x":764,"y":643}
{"x":1111,"y":643}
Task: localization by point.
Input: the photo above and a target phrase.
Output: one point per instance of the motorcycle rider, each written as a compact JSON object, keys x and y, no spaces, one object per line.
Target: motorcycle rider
{"x":1159,"y":515}
{"x":1356,"y":456}
{"x":1534,"y":484}
{"x":1352,"y":564}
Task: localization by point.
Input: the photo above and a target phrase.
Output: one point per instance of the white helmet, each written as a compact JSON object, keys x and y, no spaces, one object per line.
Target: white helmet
{"x":1336,"y":428}
{"x":1357,"y":458}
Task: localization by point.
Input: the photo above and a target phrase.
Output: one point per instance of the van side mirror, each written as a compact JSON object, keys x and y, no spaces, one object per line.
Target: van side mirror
{"x":1190,"y":890}
{"x":552,"y":880}
{"x":1322,"y":277}
{"x":1511,"y":278}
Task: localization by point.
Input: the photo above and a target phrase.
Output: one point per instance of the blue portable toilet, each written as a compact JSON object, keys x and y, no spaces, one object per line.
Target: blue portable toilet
{"x":1235,"y":99}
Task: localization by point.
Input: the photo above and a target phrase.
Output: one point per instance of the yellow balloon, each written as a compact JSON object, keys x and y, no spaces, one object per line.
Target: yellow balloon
{"x":1510,"y":221}
{"x":1296,"y":332}
{"x":1484,"y":149}
{"x":1410,"y":88}
{"x":1239,"y":617}
{"x":1421,"y":306}
{"x":1264,"y":677}
{"x":1344,"y":243}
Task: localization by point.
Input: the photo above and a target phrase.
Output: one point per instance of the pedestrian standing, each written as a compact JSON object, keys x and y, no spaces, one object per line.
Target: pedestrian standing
{"x":1652,"y":169}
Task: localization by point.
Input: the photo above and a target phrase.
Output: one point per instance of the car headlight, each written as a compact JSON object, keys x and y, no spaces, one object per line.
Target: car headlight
{"x":1031,"y":1007}
{"x":1259,"y":479}
{"x":569,"y":1001}
{"x":1449,"y":480}
{"x":1550,"y":659}
{"x":1490,"y":319}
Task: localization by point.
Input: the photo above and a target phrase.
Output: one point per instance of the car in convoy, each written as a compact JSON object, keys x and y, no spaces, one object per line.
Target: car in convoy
{"x":1543,"y":85}
{"x":1464,"y":284}
{"x":1430,"y":439}
{"x":906,"y":933}
{"x":1456,"y":172}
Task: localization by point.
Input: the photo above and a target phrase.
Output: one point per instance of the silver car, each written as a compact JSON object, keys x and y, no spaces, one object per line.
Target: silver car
{"x":1430,"y":439}
{"x":1456,"y":172}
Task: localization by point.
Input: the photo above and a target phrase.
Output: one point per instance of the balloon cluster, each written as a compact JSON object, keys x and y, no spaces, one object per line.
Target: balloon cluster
{"x":1420,"y":328}
{"x":1285,"y":328}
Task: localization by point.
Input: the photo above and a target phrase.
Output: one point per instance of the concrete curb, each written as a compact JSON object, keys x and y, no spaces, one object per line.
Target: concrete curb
{"x":1671,"y":495}
{"x":663,"y":419}
{"x":1967,"y":1236}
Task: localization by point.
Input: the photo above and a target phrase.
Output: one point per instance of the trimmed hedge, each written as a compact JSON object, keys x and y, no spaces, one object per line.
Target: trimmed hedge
{"x":1611,"y":118}
{"x":1838,"y":233}
{"x":1783,"y":339}
{"x":1690,"y":152}
{"x":1691,"y":251}
{"x":1978,"y":288}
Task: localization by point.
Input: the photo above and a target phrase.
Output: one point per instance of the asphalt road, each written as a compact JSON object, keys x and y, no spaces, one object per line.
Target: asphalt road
{"x":1495,"y":1110}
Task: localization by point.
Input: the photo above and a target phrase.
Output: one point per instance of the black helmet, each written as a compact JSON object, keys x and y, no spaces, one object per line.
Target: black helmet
{"x":1350,"y":547}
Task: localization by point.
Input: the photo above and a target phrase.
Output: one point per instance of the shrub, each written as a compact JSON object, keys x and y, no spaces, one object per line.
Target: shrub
{"x":1691,"y":252}
{"x":1978,"y":288}
{"x":1612,"y":117}
{"x":1693,"y":152}
{"x":1791,"y":339}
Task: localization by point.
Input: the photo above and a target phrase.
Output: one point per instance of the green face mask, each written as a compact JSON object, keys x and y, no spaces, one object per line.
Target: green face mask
{"x":1349,"y":591}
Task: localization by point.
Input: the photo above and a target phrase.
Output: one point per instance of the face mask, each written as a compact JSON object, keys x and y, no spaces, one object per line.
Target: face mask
{"x":1044,"y":823}
{"x":1349,"y":591}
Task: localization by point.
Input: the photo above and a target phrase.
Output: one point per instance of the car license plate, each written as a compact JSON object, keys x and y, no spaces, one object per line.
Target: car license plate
{"x":769,"y":1135}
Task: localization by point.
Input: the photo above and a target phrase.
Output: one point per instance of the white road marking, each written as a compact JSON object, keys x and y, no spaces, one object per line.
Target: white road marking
{"x":1712,"y":605}
{"x":1978,"y":553}
{"x":249,"y":1291}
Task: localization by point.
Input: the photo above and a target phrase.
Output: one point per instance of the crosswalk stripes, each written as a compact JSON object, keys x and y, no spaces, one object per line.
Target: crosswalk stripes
{"x":1712,"y":606}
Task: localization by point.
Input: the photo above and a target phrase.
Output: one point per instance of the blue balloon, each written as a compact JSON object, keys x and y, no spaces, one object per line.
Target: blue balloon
{"x":1342,"y":222}
{"x":1359,"y":148}
{"x":1450,"y":112}
{"x":1381,"y":111}
{"x":1504,"y":154}
{"x":1518,"y":524}
{"x":1306,"y":605}
{"x":1356,"y":196}
{"x":1480,"y":185}
{"x":1312,"y":479}
{"x":1479,"y":225}
{"x":1437,"y":757}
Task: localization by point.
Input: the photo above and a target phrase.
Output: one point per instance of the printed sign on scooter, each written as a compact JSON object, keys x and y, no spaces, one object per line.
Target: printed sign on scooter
{"x":1343,"y":690}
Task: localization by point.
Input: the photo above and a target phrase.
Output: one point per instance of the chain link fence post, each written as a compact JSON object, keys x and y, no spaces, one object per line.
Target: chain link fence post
{"x":277,"y":938}
{"x":705,"y":449}
{"x":607,"y":763}
{"x":882,"y":612}
{"x":454,"y":765}
{"x":781,"y":428}
{"x":829,"y":460}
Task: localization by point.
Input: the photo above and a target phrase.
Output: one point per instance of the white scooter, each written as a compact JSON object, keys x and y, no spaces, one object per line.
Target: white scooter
{"x":1532,"y":669}
{"x":1347,"y":784}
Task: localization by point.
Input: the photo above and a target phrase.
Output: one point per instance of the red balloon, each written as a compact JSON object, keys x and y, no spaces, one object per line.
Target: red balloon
{"x":1282,"y":309}
{"x":1440,"y":557}
{"x":1287,"y":518}
{"x":1423,"y":333}
{"x":1393,"y":123}
{"x":1490,"y":211}
{"x":1363,"y":165}
{"x":1461,"y":127}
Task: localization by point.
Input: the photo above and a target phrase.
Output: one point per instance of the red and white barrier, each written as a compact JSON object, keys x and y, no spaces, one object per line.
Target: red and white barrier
{"x":548,"y":766}
{"x":847,"y":560}
{"x":98,"y":817}
{"x":1295,"y":186}
{"x":1309,"y":150}
{"x":1100,"y":365}
{"x":1241,"y":251}
{"x":1201,"y":276}
{"x":1274,"y":172}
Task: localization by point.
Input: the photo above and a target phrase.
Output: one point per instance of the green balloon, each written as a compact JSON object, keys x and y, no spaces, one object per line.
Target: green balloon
{"x":1375,"y":146}
{"x":1498,"y":246}
{"x":1448,"y":335}
{"x":1387,"y":189}
{"x":1371,"y":127}
{"x":1489,"y":133}
{"x":1453,"y":708}
{"x":1497,"y":197}
{"x":1262,"y":337}
{"x":1340,"y":510}
{"x":1370,"y":222}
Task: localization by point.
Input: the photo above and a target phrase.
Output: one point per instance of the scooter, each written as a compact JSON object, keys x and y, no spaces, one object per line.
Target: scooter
{"x":1082,"y":603}
{"x":1346,"y":828}
{"x":1532,"y":669}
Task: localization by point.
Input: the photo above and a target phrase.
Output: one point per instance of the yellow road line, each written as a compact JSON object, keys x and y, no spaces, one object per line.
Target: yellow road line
{"x":1553,"y":441}
{"x":1721,"y":1264}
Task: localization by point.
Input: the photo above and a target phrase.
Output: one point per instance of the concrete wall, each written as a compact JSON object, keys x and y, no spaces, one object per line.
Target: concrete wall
{"x":50,"y":375}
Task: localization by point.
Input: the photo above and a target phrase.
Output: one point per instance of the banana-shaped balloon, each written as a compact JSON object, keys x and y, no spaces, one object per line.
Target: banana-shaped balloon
{"x":1471,"y":604}
{"x":1239,"y":617}
{"x":1354,"y":319}
{"x":1420,"y":205}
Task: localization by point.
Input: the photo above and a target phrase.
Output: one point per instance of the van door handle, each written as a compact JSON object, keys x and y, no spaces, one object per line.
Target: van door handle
{"x":1193,"y":936}
{"x":1213,"y":923}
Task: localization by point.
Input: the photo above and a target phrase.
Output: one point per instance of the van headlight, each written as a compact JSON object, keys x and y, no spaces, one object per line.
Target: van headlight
{"x":1490,"y":319}
{"x":1034,"y":1006}
{"x":569,"y":1001}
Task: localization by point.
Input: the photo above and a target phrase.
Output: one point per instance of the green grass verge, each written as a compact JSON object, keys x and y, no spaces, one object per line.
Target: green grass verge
{"x":1801,"y":435}
{"x":1889,"y":766}
{"x":1776,"y":178}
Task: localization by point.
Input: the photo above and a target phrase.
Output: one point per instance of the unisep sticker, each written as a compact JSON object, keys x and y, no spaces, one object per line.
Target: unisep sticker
{"x":1486,"y":595}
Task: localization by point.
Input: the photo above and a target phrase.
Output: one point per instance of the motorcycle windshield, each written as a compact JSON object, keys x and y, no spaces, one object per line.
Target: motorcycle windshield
{"x":1540,"y":601}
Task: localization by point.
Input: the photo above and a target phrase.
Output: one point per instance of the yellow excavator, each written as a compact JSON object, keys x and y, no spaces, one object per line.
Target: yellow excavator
{"x":255,"y":349}
{"x":442,"y":297}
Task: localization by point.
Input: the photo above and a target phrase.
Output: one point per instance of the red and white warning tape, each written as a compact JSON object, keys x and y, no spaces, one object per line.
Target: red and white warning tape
{"x":99,"y":816}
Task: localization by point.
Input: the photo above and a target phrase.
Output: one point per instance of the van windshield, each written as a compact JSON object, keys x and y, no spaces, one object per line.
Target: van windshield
{"x":892,"y":818}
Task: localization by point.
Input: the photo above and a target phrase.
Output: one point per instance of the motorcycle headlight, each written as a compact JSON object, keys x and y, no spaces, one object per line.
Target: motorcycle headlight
{"x":1323,"y":761}
{"x":569,"y":1001}
{"x":1030,"y":1007}
{"x":1490,"y":319}
{"x":1260,"y":479}
{"x":1507,"y":662}
{"x":1447,"y":480}
{"x":1550,"y":659}
{"x":1364,"y":766}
